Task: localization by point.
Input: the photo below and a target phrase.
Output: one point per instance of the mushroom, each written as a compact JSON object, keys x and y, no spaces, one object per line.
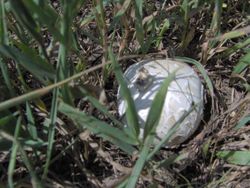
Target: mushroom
{"x":144,"y":80}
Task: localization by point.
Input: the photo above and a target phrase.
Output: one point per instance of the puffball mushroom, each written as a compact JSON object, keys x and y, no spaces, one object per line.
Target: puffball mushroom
{"x":144,"y":80}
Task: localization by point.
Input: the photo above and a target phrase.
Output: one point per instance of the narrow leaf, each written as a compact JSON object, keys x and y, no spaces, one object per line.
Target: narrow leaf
{"x":23,"y":16}
{"x":12,"y":162}
{"x":42,"y":91}
{"x":27,"y":161}
{"x":100,"y":107}
{"x":243,"y":122}
{"x":244,"y":62}
{"x":239,"y":45}
{"x":123,"y":9}
{"x":172,"y":159}
{"x":98,"y":127}
{"x":131,"y":113}
{"x":216,"y":20}
{"x":138,"y":22}
{"x":140,"y":163}
{"x":235,"y":157}
{"x":234,"y":34}
{"x":3,"y":27}
{"x":47,"y":16}
{"x":31,"y":122}
{"x":202,"y":71}
{"x":35,"y":67}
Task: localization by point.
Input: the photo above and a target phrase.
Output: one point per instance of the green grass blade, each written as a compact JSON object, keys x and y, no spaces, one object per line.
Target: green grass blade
{"x":216,"y":20}
{"x":34,"y":56}
{"x":100,"y":107}
{"x":47,"y":16}
{"x":98,"y":127}
{"x":34,"y":180}
{"x":95,"y":125}
{"x":87,"y":20}
{"x":215,"y":25}
{"x":202,"y":71}
{"x":244,"y":62}
{"x":23,"y":16}
{"x":4,"y":39}
{"x":26,"y":97}
{"x":40,"y":92}
{"x":138,"y":22}
{"x":6,"y":77}
{"x":63,"y":71}
{"x":120,"y":13}
{"x":131,"y":113}
{"x":140,"y":163}
{"x":236,"y":47}
{"x":31,"y":122}
{"x":157,"y":106}
{"x":7,"y":118}
{"x":172,"y":159}
{"x":123,"y":9}
{"x":34,"y":144}
{"x":234,"y":34}
{"x":3,"y":28}
{"x":242,"y":122}
{"x":39,"y":68}
{"x":53,"y":117}
{"x":235,"y":157}
{"x":12,"y":162}
{"x":19,"y":31}
{"x":122,"y":184}
{"x":69,"y":10}
{"x":165,"y":26}
{"x":8,"y":123}
{"x":185,"y":8}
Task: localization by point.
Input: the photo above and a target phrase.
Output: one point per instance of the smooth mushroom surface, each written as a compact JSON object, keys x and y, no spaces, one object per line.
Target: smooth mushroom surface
{"x":144,"y":80}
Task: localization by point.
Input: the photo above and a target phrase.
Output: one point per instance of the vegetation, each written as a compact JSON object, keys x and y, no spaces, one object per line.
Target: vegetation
{"x":56,"y":59}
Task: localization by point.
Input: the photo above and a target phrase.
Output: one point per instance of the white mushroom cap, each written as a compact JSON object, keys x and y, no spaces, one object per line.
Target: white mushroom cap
{"x":184,"y":91}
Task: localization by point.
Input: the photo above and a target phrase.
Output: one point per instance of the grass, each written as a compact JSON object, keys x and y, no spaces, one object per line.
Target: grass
{"x":50,"y":134}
